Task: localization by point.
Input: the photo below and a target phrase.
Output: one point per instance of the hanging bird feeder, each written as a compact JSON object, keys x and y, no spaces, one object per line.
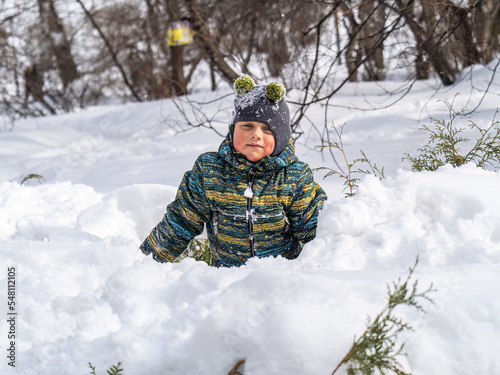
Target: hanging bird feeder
{"x":180,"y":33}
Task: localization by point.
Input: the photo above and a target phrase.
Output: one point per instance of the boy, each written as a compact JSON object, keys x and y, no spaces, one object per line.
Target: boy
{"x":254,"y":195}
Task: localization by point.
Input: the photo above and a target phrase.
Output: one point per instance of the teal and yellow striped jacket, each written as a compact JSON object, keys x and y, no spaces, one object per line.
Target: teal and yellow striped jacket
{"x":268,"y":208}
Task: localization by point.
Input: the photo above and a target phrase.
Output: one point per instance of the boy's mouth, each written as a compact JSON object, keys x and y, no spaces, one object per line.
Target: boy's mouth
{"x":254,"y":145}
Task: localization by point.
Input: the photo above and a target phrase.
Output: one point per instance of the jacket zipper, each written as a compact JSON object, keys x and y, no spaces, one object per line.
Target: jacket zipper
{"x":250,"y":215}
{"x":215,"y":250}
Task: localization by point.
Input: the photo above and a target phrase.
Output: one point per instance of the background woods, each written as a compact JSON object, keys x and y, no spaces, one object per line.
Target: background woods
{"x":57,"y":55}
{"x":81,"y":190}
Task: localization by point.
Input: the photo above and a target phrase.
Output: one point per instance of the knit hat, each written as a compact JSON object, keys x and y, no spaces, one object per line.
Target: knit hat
{"x":265,"y":104}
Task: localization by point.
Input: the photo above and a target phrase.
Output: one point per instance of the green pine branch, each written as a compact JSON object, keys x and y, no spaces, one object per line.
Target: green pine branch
{"x":113,"y":370}
{"x":378,"y":348}
{"x":446,"y":144}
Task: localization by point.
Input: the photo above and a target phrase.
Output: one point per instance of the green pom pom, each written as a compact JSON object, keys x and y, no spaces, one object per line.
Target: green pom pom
{"x":275,"y":91}
{"x":244,"y":84}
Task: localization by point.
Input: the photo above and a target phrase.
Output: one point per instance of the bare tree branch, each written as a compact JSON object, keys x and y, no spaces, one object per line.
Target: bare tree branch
{"x":111,"y":52}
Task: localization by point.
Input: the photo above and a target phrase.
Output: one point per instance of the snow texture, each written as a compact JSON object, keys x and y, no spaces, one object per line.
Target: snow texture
{"x":248,"y":192}
{"x":85,"y":293}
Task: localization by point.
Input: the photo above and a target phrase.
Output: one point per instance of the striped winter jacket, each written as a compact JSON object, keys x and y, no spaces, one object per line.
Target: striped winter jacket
{"x":268,"y":208}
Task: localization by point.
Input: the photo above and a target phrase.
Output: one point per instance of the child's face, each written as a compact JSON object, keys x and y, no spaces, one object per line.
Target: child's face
{"x":253,"y":139}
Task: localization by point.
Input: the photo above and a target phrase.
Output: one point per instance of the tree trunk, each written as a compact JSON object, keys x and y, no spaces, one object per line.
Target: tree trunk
{"x":278,"y":54}
{"x":372,"y":18}
{"x":352,"y":48}
{"x":55,"y":37}
{"x":111,"y":52}
{"x":487,"y":21}
{"x":429,"y":40}
{"x":460,"y":36}
{"x":156,"y":74}
{"x":422,"y":68}
{"x":176,"y":64}
{"x":179,"y":85}
{"x":208,"y":44}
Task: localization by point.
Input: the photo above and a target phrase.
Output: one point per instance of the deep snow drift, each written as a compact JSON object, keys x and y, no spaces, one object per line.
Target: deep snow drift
{"x":84,"y":292}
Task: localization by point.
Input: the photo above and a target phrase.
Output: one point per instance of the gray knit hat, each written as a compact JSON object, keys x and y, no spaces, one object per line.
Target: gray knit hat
{"x":265,"y":104}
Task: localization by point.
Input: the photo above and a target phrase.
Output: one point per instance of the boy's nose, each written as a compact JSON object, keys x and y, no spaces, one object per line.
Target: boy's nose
{"x":257,"y":133}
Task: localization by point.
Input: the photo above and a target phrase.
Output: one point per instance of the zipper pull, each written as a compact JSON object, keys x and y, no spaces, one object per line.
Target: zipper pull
{"x":216,"y":223}
{"x":248,"y":191}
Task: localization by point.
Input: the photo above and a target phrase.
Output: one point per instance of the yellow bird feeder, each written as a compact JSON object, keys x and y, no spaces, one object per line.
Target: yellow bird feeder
{"x":179,"y":33}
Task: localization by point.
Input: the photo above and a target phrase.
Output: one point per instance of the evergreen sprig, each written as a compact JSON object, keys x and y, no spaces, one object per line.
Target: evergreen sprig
{"x":199,"y":250}
{"x":113,"y":370}
{"x":378,"y":348}
{"x":32,"y":176}
{"x":446,"y":141}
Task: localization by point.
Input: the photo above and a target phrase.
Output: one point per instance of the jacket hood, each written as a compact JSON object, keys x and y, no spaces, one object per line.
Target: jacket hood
{"x":266,"y":165}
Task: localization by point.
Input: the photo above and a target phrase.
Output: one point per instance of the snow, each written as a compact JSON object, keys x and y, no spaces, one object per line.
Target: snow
{"x":85,"y":293}
{"x":248,"y":192}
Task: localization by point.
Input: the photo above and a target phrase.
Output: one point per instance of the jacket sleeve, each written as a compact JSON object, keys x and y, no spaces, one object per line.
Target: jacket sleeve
{"x":184,"y":219}
{"x":307,"y":201}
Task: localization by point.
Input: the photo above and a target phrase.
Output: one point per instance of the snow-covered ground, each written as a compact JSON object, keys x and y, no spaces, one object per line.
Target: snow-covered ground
{"x":85,"y":293}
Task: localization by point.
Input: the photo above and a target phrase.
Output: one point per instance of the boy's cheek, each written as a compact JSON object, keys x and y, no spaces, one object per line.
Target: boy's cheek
{"x":239,"y":142}
{"x":269,"y":147}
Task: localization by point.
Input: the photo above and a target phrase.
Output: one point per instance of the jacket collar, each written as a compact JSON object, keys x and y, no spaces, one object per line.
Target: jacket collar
{"x":267,"y":164}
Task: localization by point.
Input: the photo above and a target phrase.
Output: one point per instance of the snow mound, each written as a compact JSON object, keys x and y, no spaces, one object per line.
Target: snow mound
{"x":86,"y":293}
{"x":446,"y":218}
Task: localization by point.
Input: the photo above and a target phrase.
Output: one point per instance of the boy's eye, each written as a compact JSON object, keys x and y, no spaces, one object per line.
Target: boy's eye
{"x":250,"y":126}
